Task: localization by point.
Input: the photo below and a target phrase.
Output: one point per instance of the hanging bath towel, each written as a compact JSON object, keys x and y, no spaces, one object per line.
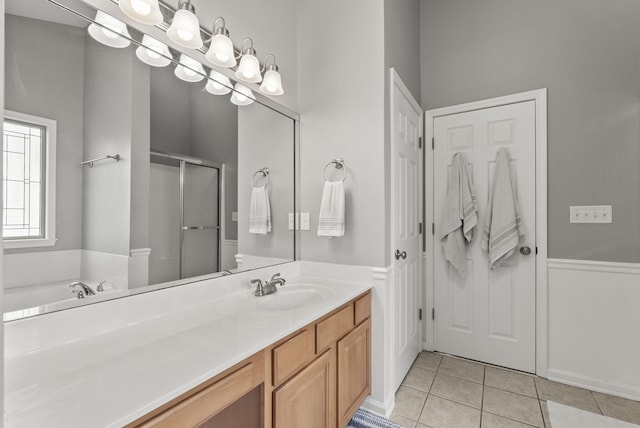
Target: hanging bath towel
{"x":331,"y":221}
{"x":502,"y":227}
{"x":460,"y":215}
{"x":260,"y":211}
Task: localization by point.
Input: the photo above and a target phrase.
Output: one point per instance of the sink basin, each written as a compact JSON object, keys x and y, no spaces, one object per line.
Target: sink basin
{"x":295,"y":296}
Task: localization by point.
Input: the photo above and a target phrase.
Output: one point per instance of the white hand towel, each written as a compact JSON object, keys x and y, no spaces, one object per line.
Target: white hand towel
{"x":502,"y":227}
{"x":460,"y":215}
{"x":260,"y":211}
{"x":331,"y":221}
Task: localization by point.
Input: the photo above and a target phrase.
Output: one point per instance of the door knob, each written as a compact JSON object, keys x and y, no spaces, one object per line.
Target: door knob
{"x":525,"y":251}
{"x":401,"y":255}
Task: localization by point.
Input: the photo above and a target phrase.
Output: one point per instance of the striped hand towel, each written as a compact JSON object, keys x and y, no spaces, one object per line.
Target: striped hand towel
{"x":460,"y":215}
{"x":331,"y":221}
{"x":260,"y":211}
{"x":502,"y":227}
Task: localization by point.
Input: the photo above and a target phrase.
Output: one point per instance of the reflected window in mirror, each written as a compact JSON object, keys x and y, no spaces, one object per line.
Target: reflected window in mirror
{"x":28,"y":180}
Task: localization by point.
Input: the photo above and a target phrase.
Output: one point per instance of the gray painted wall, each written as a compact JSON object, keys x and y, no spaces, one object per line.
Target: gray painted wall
{"x":2,"y":101}
{"x":39,"y":53}
{"x":265,"y":139}
{"x":586,"y":53}
{"x":107,"y":130}
{"x":341,"y":103}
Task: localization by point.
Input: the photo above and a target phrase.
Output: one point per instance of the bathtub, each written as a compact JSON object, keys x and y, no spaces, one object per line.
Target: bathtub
{"x":36,"y":299}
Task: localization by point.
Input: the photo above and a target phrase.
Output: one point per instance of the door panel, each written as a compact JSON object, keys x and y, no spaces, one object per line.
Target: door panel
{"x":490,"y":315}
{"x":407,"y":208}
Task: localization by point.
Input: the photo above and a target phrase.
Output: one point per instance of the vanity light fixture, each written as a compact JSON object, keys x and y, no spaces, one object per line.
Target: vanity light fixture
{"x":144,"y":11}
{"x":189,"y":69}
{"x":242,"y":96}
{"x":249,"y":68}
{"x":221,"y":48}
{"x":272,"y":82}
{"x":185,"y":27}
{"x":218,"y":83}
{"x":109,"y":31}
{"x":153,"y":52}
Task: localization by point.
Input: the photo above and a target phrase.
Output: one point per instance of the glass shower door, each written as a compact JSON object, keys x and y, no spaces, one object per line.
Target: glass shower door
{"x":200,"y":200}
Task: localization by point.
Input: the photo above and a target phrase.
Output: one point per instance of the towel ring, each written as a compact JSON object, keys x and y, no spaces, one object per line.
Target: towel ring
{"x":337,"y":163}
{"x":265,"y":173}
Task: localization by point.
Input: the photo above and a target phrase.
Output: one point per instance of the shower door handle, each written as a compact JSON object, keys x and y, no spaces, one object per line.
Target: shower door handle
{"x":199,"y":227}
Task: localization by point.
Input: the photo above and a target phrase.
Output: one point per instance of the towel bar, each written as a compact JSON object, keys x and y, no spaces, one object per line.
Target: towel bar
{"x":265,"y":173}
{"x":338,"y":163}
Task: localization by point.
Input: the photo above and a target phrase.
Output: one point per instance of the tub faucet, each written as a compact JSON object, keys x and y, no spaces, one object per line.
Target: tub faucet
{"x":85,"y":290}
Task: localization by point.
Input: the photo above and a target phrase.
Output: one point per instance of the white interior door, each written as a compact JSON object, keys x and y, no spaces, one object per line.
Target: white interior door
{"x":490,"y":315}
{"x":406,"y":215}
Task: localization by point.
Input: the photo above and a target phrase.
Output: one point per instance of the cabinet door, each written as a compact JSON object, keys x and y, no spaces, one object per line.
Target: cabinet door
{"x":308,"y":399}
{"x":354,"y":371}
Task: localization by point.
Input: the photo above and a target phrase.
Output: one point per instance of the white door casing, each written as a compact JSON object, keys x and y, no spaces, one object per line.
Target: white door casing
{"x":406,"y":214}
{"x":489,"y":315}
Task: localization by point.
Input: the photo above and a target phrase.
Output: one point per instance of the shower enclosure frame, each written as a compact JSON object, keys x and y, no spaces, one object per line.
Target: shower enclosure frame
{"x":220,"y":167}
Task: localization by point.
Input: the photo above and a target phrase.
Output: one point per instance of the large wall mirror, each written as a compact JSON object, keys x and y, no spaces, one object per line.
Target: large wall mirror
{"x":121,"y":177}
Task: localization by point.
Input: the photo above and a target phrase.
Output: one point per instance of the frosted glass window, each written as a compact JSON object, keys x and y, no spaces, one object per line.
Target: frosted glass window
{"x":23,"y":211}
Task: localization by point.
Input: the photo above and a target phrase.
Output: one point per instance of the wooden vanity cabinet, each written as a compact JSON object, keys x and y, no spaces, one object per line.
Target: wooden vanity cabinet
{"x":329,"y":390}
{"x":316,"y":377}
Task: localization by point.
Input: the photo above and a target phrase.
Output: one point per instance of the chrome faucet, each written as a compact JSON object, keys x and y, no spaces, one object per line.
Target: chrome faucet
{"x":85,"y":290}
{"x":269,"y":287}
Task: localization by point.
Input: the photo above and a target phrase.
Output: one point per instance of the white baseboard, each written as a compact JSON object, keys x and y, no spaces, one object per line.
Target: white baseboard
{"x":378,"y":407}
{"x":620,"y":390}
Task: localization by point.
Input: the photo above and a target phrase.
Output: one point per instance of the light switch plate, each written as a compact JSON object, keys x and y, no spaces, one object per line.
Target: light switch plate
{"x":234,"y":216}
{"x":591,"y":214}
{"x":305,"y":221}
{"x":291,"y":221}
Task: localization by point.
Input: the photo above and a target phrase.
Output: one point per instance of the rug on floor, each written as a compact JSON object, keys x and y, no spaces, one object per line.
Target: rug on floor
{"x":562,"y":416}
{"x":366,"y":419}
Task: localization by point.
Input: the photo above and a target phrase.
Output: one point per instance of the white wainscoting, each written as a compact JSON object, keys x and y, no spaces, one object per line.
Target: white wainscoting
{"x":594,"y":325}
{"x":25,"y":269}
{"x":228,"y":255}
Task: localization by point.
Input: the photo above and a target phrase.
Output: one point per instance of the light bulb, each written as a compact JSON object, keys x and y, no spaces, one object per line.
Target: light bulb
{"x":272,"y":82}
{"x":185,"y":35}
{"x":221,"y":51}
{"x":140,"y":7}
{"x":153,"y":52}
{"x":109,"y":31}
{"x":185,"y":27}
{"x":144,"y":11}
{"x":249,"y":68}
{"x":242,"y":96}
{"x":218,"y":83}
{"x":189,"y":69}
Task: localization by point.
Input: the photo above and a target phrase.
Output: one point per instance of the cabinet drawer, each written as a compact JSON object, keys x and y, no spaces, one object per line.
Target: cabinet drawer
{"x":292,"y":355}
{"x":334,"y":328}
{"x":208,"y":402}
{"x":363,"y":308}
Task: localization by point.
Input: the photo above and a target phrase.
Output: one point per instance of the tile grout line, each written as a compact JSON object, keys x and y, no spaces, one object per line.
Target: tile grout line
{"x":597,"y":404}
{"x":484,"y":380}
{"x":514,"y":420}
{"x":435,"y":374}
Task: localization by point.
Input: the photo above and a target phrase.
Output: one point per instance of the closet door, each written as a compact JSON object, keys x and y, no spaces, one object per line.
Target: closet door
{"x":489,"y":315}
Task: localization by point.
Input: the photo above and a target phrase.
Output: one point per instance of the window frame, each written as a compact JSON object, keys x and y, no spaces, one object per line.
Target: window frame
{"x":50,"y":127}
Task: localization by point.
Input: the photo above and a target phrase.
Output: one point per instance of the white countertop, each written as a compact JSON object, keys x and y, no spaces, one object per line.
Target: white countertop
{"x":115,"y":376}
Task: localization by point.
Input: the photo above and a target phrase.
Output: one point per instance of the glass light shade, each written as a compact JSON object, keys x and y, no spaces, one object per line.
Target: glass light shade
{"x":185,"y":29}
{"x":153,"y":52}
{"x":272,"y":83}
{"x":249,"y":69}
{"x":144,"y":11}
{"x":242,"y":96}
{"x":218,"y":84}
{"x":110,"y":31}
{"x":189,"y":69}
{"x":221,"y":51}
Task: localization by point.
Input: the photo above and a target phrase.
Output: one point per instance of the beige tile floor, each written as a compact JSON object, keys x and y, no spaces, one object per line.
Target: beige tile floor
{"x":446,"y":392}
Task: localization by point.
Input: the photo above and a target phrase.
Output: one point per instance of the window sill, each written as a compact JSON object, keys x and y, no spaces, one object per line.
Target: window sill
{"x":29,"y":243}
